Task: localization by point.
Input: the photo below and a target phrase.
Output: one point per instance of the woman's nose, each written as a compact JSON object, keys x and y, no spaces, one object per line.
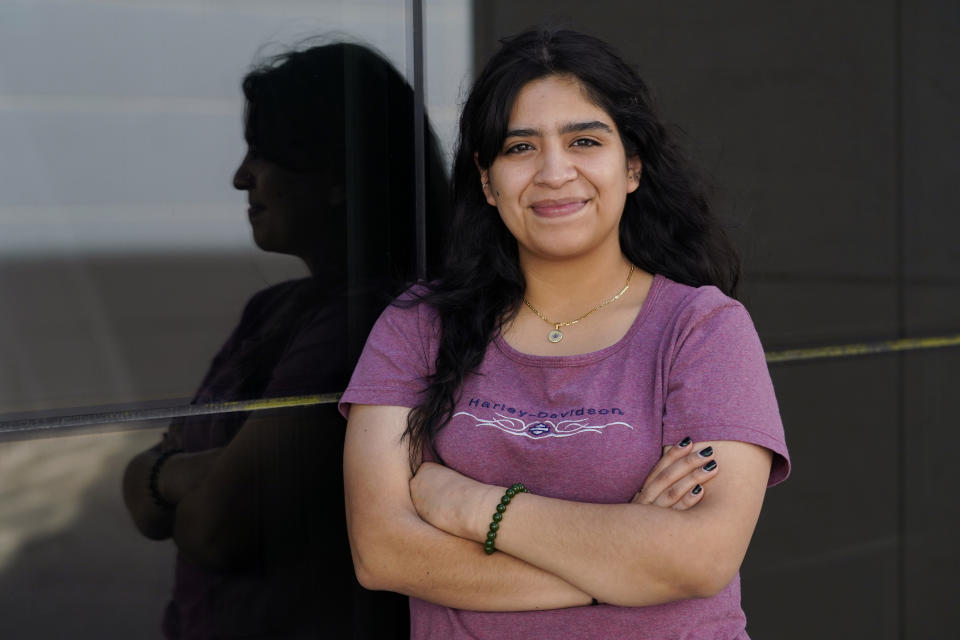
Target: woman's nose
{"x":243,"y":177}
{"x":556,"y":168}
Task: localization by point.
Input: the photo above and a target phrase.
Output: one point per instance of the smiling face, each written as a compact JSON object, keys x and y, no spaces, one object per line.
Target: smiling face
{"x":562,"y":176}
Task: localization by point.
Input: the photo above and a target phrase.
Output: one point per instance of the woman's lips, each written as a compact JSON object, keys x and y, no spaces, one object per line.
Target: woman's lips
{"x":557,"y":208}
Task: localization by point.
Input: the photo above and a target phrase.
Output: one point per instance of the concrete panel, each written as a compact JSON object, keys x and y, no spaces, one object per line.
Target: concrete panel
{"x":932,"y":509}
{"x":932,"y":307}
{"x":827,"y":541}
{"x":931,"y":136}
{"x":931,"y":191}
{"x":801,"y":312}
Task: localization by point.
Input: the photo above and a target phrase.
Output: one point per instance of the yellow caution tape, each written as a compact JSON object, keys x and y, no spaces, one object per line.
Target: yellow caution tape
{"x":39,"y":427}
{"x":863,"y":348}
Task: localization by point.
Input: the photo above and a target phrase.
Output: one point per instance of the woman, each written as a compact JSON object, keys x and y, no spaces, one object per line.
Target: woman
{"x":254,"y":502}
{"x":581,"y":327}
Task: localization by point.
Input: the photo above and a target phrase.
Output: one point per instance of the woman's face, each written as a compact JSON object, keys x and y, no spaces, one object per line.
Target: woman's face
{"x":562,"y":176}
{"x":287,"y":208}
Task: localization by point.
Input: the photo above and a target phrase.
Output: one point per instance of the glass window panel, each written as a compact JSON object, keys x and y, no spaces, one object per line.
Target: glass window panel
{"x":125,"y":252}
{"x":448,"y":65}
{"x":140,"y":272}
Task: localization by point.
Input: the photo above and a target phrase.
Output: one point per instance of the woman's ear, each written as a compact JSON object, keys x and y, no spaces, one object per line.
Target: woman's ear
{"x":485,"y":181}
{"x":634,"y":169}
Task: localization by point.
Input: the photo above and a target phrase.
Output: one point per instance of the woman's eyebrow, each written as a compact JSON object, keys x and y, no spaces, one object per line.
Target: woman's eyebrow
{"x":524,"y":133}
{"x":564,"y":129}
{"x":578,"y":127}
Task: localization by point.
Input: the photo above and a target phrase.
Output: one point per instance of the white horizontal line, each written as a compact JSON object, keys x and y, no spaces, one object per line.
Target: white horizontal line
{"x":370,"y":10}
{"x":56,"y":103}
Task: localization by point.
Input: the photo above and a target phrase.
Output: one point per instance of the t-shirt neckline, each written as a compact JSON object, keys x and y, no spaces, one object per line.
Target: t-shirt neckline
{"x":591,"y":356}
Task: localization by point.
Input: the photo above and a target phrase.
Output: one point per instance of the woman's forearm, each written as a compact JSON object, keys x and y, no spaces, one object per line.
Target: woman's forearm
{"x":150,"y":519}
{"x":394,"y":549}
{"x":409,"y":556}
{"x":626,"y":554}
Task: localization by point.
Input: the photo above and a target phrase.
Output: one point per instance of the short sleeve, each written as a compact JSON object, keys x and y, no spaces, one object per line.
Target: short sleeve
{"x":396,"y":359}
{"x":718,"y":386}
{"x":317,"y":359}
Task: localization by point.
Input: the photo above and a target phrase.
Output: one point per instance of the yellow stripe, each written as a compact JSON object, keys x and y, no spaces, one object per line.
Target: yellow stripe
{"x":863,"y":348}
{"x":789,"y":355}
{"x":40,"y":427}
{"x":275,"y":403}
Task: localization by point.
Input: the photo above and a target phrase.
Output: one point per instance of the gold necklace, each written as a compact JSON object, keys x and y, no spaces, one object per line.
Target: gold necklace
{"x":556,"y":335}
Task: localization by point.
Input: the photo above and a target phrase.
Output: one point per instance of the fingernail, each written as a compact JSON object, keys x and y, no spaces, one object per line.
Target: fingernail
{"x":706,"y":453}
{"x":710,"y":466}
{"x":696,"y":490}
{"x":685,"y":442}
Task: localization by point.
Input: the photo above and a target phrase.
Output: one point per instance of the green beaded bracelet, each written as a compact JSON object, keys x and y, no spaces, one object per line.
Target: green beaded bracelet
{"x":488,"y":546}
{"x":153,"y":481}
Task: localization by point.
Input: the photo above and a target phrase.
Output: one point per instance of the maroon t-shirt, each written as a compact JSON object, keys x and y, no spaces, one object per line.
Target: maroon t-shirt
{"x":589,"y":428}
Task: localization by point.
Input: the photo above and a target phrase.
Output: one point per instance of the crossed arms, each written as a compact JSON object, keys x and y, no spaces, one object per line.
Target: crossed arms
{"x":422,"y":535}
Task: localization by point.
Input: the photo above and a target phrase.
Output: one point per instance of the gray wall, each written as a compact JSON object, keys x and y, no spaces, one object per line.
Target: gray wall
{"x":830,"y":130}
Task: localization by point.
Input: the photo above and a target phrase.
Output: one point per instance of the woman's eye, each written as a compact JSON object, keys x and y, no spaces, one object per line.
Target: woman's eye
{"x":520,"y":147}
{"x":585,"y":142}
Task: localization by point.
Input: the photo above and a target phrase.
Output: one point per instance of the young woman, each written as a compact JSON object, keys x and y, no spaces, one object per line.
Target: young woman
{"x":581,"y":327}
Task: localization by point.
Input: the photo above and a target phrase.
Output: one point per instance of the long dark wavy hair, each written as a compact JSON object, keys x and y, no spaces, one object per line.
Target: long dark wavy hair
{"x":667,"y":225}
{"x":344,"y":109}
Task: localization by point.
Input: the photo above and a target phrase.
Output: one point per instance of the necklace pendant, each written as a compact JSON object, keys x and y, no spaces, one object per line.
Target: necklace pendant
{"x":555,"y":336}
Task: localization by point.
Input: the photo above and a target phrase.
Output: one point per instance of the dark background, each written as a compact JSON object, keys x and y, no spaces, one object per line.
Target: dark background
{"x":830,"y":130}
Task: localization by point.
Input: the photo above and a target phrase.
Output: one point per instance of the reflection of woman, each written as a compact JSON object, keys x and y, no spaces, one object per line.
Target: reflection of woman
{"x":254,"y":502}
{"x":572,"y":338}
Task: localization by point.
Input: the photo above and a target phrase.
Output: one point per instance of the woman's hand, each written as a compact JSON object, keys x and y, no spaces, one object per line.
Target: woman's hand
{"x":448,"y":499}
{"x":179,"y":475}
{"x":677,"y":480}
{"x":184,"y":472}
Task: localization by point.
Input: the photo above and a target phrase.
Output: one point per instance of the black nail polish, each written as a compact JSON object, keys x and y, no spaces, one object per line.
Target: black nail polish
{"x":710,"y":466}
{"x":706,"y":453}
{"x":696,"y":490}
{"x":685,"y":442}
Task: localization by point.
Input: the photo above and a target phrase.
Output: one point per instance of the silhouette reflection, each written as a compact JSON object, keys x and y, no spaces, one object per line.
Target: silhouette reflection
{"x":254,"y":502}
